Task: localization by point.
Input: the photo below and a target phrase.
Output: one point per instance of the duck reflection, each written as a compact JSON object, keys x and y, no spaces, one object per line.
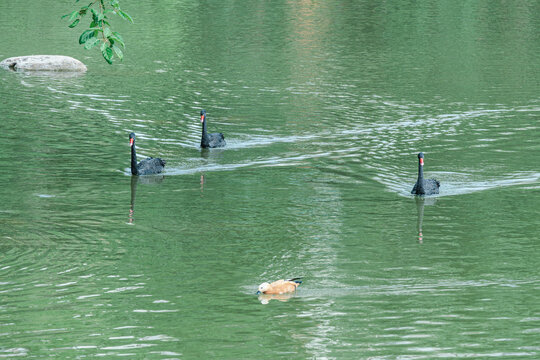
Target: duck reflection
{"x":150,"y":179}
{"x":265,"y":298}
{"x":420,"y":203}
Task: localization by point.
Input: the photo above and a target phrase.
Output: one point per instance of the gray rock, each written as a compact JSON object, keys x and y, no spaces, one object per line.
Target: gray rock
{"x":43,"y":63}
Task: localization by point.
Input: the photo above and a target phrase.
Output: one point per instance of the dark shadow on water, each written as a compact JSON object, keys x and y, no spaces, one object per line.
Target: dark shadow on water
{"x":205,"y":153}
{"x":135,"y":180}
{"x":51,"y":74}
{"x":212,"y":153}
{"x":420,"y":203}
{"x":133,"y":194}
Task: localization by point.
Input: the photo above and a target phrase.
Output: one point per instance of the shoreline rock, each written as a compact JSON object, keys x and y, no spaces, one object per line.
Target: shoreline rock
{"x":43,"y":63}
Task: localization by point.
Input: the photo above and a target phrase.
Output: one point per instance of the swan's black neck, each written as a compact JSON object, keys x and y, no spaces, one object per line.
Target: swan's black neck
{"x":420,"y":181}
{"x":204,"y":138}
{"x":134,"y":170}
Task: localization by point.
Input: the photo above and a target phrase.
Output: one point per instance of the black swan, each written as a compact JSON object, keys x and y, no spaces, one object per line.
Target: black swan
{"x":210,"y":140}
{"x":147,"y":166}
{"x":424,"y":186}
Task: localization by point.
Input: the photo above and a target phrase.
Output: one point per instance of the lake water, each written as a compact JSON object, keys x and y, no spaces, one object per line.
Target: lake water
{"x":324,"y":106}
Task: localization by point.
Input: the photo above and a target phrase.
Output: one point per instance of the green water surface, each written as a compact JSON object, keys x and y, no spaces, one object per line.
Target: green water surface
{"x":324,"y":106}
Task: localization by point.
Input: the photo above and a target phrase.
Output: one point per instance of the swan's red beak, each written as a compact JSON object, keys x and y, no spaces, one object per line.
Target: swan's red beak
{"x":131,"y":142}
{"x":421,"y":162}
{"x":202,"y":118}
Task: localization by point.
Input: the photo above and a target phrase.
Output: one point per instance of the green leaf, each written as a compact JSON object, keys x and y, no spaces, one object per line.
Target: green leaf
{"x":108,"y":54}
{"x":118,"y":52}
{"x":91,"y":43}
{"x":86,"y":35}
{"x":114,"y":3}
{"x":115,"y":41}
{"x":125,"y":15}
{"x":96,"y":16}
{"x":71,"y":15}
{"x":103,"y":46}
{"x":73,"y":24}
{"x":116,"y":36}
{"x":107,"y":32}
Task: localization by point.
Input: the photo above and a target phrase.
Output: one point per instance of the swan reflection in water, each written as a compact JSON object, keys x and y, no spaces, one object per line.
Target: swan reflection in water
{"x":212,"y":154}
{"x":420,"y":203}
{"x":149,"y":179}
{"x":209,"y":156}
{"x":202,"y":183}
{"x":265,"y":298}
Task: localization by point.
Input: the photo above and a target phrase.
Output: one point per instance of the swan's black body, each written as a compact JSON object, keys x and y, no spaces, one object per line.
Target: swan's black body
{"x":147,"y":166}
{"x":210,"y":140}
{"x":424,"y":186}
